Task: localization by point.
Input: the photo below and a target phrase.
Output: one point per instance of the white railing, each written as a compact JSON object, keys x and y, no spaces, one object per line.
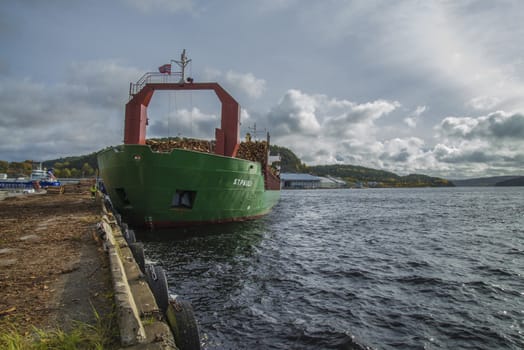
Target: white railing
{"x":153,"y":77}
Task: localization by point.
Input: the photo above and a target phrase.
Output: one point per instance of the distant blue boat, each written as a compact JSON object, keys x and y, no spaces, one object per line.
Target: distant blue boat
{"x":44,"y":177}
{"x":40,"y":178}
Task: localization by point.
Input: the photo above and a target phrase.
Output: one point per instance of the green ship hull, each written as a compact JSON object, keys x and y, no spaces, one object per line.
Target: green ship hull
{"x":176,"y":182}
{"x":183,"y":187}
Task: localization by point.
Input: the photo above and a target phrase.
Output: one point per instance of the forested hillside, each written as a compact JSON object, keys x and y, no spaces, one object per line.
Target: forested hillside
{"x":375,"y":177}
{"x":289,"y":163}
{"x":483,"y":181}
{"x":518,"y":181}
{"x":352,"y":174}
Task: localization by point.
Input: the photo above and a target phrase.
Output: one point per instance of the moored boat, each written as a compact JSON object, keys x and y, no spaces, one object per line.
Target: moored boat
{"x":40,"y":178}
{"x":44,"y":177}
{"x":178,"y":182}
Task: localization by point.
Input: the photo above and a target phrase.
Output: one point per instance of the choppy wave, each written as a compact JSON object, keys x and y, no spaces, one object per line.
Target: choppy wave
{"x":358,"y":269}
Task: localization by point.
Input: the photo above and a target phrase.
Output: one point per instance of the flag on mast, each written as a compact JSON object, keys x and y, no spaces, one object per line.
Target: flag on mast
{"x":166,"y":68}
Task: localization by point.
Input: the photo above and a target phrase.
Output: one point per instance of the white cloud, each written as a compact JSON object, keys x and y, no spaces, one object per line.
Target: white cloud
{"x":298,"y":112}
{"x":101,"y":82}
{"x":484,"y":103}
{"x":401,"y":150}
{"x":246,"y":83}
{"x":325,"y":130}
{"x":295,"y":113}
{"x":480,"y":144}
{"x":186,"y":123}
{"x":412,"y":119}
{"x":80,"y":116}
{"x":498,"y":125}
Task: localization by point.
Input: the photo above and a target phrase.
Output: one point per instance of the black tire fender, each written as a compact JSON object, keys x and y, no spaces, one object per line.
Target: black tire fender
{"x":156,"y":278}
{"x":130,"y":236}
{"x":137,"y":249}
{"x":183,"y":324}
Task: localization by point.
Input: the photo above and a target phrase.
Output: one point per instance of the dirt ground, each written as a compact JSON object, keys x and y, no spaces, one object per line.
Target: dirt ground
{"x":52,"y":270}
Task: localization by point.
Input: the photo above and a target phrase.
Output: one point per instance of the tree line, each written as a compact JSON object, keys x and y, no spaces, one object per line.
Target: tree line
{"x":70,"y":167}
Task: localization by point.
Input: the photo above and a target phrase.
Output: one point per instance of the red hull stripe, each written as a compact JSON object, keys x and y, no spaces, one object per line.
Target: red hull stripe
{"x":170,"y":224}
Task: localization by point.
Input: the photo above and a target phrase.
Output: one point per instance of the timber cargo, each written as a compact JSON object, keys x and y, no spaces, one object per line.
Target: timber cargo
{"x":180,"y":181}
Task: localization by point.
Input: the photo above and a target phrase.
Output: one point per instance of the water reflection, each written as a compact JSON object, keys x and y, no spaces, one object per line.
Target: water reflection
{"x":206,"y":241}
{"x":206,"y":264}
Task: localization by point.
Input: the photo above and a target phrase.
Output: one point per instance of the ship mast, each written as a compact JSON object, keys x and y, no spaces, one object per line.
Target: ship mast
{"x":182,"y":64}
{"x":227,"y":136}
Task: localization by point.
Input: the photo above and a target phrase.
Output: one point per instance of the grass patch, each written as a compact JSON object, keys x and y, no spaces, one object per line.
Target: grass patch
{"x":101,"y":336}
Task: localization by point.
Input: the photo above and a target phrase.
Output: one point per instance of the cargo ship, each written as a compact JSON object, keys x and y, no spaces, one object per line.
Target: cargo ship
{"x":181,"y":182}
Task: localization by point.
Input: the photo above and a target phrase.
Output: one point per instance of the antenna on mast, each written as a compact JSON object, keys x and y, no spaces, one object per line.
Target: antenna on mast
{"x":254,"y":130}
{"x":182,"y":64}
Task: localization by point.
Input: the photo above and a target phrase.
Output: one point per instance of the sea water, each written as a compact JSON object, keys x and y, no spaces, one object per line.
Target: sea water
{"x":430,"y":268}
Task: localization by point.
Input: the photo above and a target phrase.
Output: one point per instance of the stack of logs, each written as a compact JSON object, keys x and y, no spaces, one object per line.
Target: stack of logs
{"x":82,"y":186}
{"x":183,"y":143}
{"x":55,"y":190}
{"x":255,"y":151}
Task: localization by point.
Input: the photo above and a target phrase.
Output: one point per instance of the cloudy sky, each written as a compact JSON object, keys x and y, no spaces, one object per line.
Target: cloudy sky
{"x":431,"y":87}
